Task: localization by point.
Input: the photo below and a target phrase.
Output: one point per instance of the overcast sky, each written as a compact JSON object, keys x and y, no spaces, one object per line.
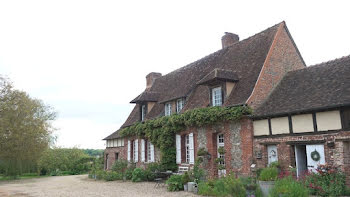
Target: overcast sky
{"x":89,"y":59}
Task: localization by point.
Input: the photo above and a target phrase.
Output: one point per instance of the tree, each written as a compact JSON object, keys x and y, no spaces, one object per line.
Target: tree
{"x":56,"y":160}
{"x":25,"y":128}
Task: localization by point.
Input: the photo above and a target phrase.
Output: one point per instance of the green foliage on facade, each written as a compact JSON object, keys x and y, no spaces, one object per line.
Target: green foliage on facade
{"x":161,"y":131}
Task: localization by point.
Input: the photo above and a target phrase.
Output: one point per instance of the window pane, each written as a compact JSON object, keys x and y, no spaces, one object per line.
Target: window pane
{"x":168,"y":109}
{"x":217,"y":96}
{"x":179,"y":105}
{"x":143,"y":112}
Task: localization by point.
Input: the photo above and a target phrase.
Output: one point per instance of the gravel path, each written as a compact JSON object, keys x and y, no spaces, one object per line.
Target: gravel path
{"x":80,"y":185}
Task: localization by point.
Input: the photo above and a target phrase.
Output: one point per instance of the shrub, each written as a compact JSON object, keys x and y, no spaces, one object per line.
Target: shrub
{"x":100,"y":174}
{"x":268,"y":174}
{"x":175,"y":183}
{"x":112,"y":176}
{"x":120,"y":166}
{"x":138,"y":175}
{"x":327,"y":182}
{"x":288,"y":187}
{"x":226,"y":186}
{"x":205,"y":189}
{"x":185,"y":178}
{"x":274,"y":164}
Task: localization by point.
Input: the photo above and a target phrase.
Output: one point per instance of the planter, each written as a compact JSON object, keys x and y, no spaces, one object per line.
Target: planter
{"x":266,"y":187}
{"x":190,"y":186}
{"x":185,"y":187}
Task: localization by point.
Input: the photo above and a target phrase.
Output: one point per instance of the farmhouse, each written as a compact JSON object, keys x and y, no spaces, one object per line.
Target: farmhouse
{"x":301,"y":115}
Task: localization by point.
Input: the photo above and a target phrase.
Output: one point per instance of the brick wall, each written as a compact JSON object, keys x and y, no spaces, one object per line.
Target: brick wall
{"x":282,"y":57}
{"x":122,"y":151}
{"x":336,"y":147}
{"x":238,"y":139}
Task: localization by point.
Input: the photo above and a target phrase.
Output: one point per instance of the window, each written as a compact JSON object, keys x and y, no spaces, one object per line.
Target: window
{"x":115,"y":142}
{"x":143,"y":112}
{"x":221,"y":144}
{"x":346,"y":118}
{"x":167,"y":109}
{"x":136,"y":150}
{"x":187,"y":148}
{"x":116,"y":156}
{"x":216,"y":96}
{"x":179,"y":105}
{"x":149,"y":151}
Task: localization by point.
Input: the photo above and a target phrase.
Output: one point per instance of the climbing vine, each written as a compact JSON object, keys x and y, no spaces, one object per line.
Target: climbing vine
{"x":161,"y":131}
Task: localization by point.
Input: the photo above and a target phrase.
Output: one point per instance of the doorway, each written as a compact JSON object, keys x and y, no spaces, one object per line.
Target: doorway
{"x":308,"y":157}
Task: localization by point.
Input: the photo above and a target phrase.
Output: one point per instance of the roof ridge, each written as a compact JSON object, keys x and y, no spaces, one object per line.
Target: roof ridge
{"x":331,"y":61}
{"x":224,"y":49}
{"x":319,"y":65}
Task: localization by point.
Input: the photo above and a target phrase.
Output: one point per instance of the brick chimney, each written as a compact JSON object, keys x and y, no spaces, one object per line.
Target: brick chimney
{"x":150,"y":79}
{"x":229,"y":39}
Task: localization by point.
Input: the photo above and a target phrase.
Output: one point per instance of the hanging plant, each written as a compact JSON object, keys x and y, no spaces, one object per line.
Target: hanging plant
{"x":315,"y":155}
{"x":221,"y":150}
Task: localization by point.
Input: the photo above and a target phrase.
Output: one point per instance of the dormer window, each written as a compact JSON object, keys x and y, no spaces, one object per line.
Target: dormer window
{"x":179,"y":105}
{"x":143,"y":112}
{"x":216,"y":94}
{"x":167,"y":109}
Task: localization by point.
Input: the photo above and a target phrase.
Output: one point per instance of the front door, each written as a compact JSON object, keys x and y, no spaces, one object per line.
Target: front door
{"x":272,"y":153}
{"x":300,"y":160}
{"x":315,"y":156}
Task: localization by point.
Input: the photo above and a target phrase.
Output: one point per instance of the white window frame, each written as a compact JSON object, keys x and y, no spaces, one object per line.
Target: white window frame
{"x":143,"y":112}
{"x":136,"y":151}
{"x":187,"y":145}
{"x":178,"y":148}
{"x":180,"y":104}
{"x":216,"y":96}
{"x":167,"y":109}
{"x":221,"y":143}
{"x":149,"y":151}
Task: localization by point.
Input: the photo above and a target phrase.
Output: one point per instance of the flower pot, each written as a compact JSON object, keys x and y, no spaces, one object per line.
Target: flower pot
{"x":190,"y":186}
{"x":185,"y":187}
{"x":266,"y":187}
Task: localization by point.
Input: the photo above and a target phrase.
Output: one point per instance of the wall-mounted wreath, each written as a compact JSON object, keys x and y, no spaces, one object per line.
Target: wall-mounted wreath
{"x":315,"y":155}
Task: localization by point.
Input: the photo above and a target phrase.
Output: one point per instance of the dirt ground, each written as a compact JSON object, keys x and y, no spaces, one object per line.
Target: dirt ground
{"x":80,"y":185}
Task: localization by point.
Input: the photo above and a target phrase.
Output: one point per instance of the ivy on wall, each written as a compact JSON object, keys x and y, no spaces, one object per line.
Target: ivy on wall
{"x":161,"y":131}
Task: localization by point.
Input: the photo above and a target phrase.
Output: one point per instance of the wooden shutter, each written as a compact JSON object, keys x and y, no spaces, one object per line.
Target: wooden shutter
{"x":178,"y":149}
{"x":142,"y":150}
{"x":136,"y":159}
{"x":152,"y":152}
{"x":129,"y":150}
{"x":191,"y":148}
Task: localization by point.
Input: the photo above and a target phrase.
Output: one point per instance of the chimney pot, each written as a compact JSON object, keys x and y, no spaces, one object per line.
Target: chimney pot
{"x":150,"y":78}
{"x":229,"y":39}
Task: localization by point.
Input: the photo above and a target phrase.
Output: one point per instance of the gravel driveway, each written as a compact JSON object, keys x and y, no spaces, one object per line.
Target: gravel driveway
{"x":80,"y":185}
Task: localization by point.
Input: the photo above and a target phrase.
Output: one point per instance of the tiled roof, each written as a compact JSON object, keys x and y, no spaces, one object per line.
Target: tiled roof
{"x":219,"y":75}
{"x":113,"y":135}
{"x":243,"y":61}
{"x":326,"y":85}
{"x":146,"y":96}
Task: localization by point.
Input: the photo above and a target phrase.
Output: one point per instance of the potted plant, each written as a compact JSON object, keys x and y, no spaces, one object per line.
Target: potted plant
{"x":185,"y":180}
{"x":267,"y":179}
